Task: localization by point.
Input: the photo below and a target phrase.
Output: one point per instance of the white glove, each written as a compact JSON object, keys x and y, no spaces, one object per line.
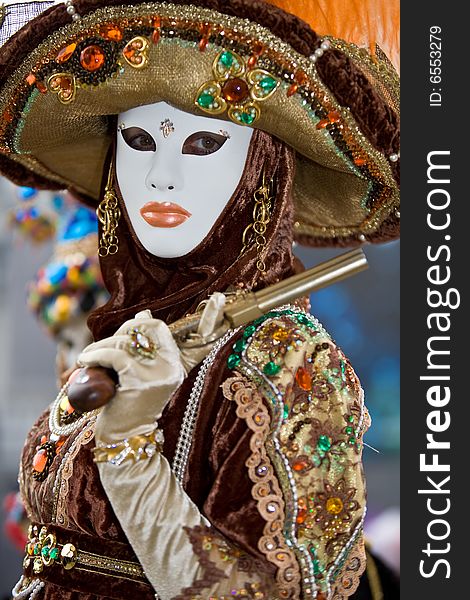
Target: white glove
{"x":145,"y":383}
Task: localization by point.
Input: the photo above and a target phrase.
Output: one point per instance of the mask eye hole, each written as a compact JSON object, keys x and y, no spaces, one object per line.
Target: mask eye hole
{"x":139,"y":139}
{"x":203,"y":143}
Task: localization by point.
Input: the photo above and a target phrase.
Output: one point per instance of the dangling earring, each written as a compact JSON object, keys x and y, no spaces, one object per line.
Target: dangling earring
{"x":108,"y":214}
{"x":255,"y":231}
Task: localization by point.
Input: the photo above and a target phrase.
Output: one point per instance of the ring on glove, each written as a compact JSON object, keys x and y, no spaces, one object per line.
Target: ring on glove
{"x":141,"y":344}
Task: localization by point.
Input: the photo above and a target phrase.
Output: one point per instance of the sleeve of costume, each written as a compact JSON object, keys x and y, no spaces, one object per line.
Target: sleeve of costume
{"x":303,"y":408}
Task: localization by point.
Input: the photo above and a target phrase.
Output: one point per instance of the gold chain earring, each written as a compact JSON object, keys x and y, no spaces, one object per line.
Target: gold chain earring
{"x":255,"y":231}
{"x":108,"y":214}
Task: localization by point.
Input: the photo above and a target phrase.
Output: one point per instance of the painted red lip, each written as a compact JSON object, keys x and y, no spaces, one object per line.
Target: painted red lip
{"x":164,"y":214}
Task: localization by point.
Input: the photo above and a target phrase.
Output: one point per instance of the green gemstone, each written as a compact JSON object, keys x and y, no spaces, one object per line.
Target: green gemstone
{"x":303,"y":319}
{"x":258,"y":321}
{"x":350,"y":418}
{"x":271,"y":369}
{"x":249,"y":331}
{"x":205,"y":100}
{"x":226,"y":58}
{"x":349,"y":430}
{"x":247,"y":118}
{"x":233,"y":361}
{"x":36,"y":550}
{"x":54,"y":553}
{"x":239,"y":345}
{"x":45,"y":551}
{"x":286,"y":411}
{"x":352,"y":440}
{"x":267,"y":84}
{"x":324,"y":443}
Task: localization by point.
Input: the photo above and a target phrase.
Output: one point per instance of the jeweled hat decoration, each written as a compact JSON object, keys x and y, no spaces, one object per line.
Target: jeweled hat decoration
{"x":76,"y":65}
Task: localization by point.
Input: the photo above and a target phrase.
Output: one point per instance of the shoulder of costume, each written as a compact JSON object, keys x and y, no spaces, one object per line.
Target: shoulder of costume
{"x":304,"y":405}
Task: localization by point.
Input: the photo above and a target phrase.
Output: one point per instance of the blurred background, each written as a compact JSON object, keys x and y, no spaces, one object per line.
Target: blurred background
{"x":361,"y":314}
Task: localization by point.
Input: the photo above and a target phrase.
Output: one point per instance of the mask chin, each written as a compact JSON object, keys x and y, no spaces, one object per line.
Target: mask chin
{"x":176,"y":173}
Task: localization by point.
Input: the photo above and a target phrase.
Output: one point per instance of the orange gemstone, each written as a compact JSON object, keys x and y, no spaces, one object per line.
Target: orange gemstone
{"x":301,"y":77}
{"x":323,"y":123}
{"x":303,"y":379}
{"x":252,"y":61}
{"x":40,"y":461}
{"x":59,"y":445}
{"x":156,"y":22}
{"x":66,"y":53}
{"x":203,"y":44}
{"x":301,"y":515}
{"x":334,"y":116}
{"x":300,"y":464}
{"x":92,"y":58}
{"x":235,"y":90}
{"x":31,"y":79}
{"x":359,"y":161}
{"x":43,"y":439}
{"x":111,"y":32}
{"x":156,"y":36}
{"x":41,"y":87}
{"x":293,"y":88}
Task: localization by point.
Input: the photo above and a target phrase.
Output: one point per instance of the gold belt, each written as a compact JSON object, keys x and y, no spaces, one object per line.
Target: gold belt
{"x":42,"y":550}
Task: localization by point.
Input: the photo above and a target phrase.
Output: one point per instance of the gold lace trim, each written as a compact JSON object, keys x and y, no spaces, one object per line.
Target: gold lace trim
{"x":266,"y":490}
{"x":348,"y":582}
{"x":65,"y":472}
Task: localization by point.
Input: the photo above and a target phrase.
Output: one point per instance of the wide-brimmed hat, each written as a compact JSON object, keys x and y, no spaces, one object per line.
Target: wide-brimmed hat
{"x":68,"y":71}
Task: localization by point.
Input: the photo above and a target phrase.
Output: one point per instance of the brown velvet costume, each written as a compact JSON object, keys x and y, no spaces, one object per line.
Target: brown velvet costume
{"x":216,"y":477}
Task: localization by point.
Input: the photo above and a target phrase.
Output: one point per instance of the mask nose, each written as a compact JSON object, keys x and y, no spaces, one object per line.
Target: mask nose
{"x":165,"y":174}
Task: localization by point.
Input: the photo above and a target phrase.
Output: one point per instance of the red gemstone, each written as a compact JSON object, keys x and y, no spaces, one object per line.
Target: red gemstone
{"x":323,"y":123}
{"x":92,"y":58}
{"x":155,"y":36}
{"x":235,"y":90}
{"x":40,"y":460}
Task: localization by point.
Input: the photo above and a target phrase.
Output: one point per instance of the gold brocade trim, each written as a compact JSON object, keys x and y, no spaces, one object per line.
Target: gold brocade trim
{"x":65,"y":472}
{"x":266,"y":490}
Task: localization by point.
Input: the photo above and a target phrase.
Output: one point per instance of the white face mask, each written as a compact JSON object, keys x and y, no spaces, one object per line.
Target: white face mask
{"x":177,"y":172}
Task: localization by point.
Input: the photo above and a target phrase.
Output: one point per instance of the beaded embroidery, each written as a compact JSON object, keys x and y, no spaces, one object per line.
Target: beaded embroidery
{"x":313,"y":442}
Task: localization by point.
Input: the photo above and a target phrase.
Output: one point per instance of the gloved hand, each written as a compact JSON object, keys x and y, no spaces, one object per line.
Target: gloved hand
{"x":148,"y":375}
